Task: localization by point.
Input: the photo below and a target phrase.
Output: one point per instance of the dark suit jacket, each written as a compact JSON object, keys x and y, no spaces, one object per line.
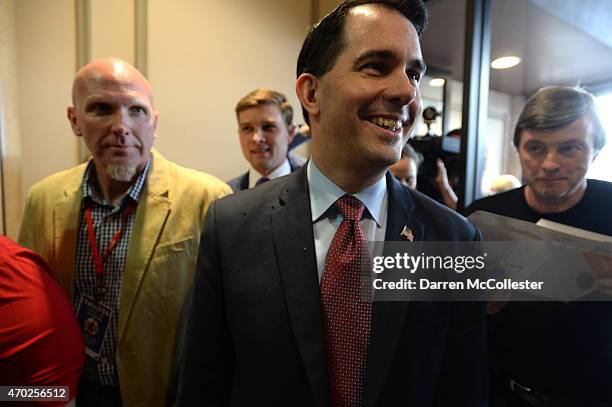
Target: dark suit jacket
{"x":241,"y":182}
{"x":256,"y":334}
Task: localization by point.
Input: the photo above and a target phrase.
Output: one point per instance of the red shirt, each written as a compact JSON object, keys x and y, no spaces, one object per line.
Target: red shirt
{"x":40,"y":339}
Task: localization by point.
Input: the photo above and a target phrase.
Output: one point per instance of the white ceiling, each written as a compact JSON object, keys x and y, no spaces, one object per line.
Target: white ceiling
{"x":559,"y":42}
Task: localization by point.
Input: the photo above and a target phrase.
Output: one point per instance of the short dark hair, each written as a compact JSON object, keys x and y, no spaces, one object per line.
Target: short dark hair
{"x":325,"y":40}
{"x":409,"y":152}
{"x":555,"y":107}
{"x":262,"y":97}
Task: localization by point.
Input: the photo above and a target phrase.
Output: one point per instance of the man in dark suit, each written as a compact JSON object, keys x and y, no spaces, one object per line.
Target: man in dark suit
{"x":265,"y":127}
{"x":276,"y":319}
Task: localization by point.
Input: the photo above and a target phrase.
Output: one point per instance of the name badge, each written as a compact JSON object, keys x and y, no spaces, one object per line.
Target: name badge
{"x":94,"y":319}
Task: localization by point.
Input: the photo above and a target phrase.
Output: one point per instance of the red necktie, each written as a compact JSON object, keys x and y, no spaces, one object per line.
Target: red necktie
{"x":347,"y":314}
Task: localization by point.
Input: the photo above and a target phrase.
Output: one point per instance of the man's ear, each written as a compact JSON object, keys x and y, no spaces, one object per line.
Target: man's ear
{"x":291,"y":133}
{"x":73,"y":121}
{"x":155,"y":117}
{"x":306,"y":87}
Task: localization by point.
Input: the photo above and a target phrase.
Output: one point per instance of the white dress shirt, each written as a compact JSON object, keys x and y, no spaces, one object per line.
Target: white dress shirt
{"x":281,"y":170}
{"x":326,"y":219}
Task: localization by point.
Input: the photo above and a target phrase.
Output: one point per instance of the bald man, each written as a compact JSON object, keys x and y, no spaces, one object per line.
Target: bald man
{"x":121,"y":234}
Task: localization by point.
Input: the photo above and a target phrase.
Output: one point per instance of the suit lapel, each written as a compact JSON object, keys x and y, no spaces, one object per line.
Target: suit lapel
{"x":294,"y":245}
{"x":244,"y":182}
{"x":151,"y":215}
{"x":297,"y":267}
{"x":388,"y":317}
{"x":400,"y":213}
{"x":66,"y":212}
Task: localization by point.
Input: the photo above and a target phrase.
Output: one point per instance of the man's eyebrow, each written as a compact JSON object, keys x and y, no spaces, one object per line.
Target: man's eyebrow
{"x":415,"y":63}
{"x":94,"y":100}
{"x":374,"y":54}
{"x":419,"y":65}
{"x":576,"y":140}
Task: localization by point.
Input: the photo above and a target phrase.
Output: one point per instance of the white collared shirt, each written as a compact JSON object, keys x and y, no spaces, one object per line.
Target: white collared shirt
{"x":281,"y":170}
{"x":326,"y":220}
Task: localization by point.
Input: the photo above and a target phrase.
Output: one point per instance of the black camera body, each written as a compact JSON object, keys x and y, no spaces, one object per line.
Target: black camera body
{"x":434,"y":147}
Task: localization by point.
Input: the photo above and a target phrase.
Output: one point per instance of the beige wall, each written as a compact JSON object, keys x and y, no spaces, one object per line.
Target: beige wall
{"x":112,"y":29}
{"x":325,"y":6}
{"x":46,"y":64}
{"x":203,"y":57}
{"x":9,"y":121}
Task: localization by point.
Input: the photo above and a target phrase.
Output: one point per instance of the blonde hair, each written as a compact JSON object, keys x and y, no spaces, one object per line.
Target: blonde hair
{"x":261,"y":97}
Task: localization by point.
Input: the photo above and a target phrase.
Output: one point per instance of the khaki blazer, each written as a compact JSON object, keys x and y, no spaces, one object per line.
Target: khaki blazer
{"x":158,"y":273}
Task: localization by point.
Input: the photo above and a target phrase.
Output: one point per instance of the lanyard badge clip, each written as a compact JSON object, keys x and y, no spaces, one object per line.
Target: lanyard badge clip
{"x":99,"y":261}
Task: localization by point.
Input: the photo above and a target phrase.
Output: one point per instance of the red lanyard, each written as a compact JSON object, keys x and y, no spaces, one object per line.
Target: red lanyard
{"x":93,"y":244}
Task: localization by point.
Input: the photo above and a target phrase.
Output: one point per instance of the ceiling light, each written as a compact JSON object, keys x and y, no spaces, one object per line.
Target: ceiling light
{"x":436,"y":82}
{"x":505,"y":62}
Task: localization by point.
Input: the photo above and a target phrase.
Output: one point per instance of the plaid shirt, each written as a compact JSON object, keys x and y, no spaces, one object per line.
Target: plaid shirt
{"x":106,"y":221}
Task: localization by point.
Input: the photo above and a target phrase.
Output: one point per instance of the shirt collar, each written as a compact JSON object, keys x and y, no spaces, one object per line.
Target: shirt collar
{"x":324,"y":193}
{"x":281,"y":170}
{"x":91,"y":189}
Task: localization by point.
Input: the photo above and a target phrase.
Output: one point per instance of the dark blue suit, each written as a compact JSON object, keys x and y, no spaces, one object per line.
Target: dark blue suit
{"x":256,"y":334}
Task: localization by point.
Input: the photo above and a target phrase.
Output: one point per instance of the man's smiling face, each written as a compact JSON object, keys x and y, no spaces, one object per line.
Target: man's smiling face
{"x":369,"y":100}
{"x":264,"y":137}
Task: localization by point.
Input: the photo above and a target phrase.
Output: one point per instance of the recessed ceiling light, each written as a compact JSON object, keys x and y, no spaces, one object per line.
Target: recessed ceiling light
{"x":436,"y":82}
{"x":505,"y":62}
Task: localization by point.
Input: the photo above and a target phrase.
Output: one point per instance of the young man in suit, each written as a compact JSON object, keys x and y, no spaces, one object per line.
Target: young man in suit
{"x":265,"y":128}
{"x":277,"y":318}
